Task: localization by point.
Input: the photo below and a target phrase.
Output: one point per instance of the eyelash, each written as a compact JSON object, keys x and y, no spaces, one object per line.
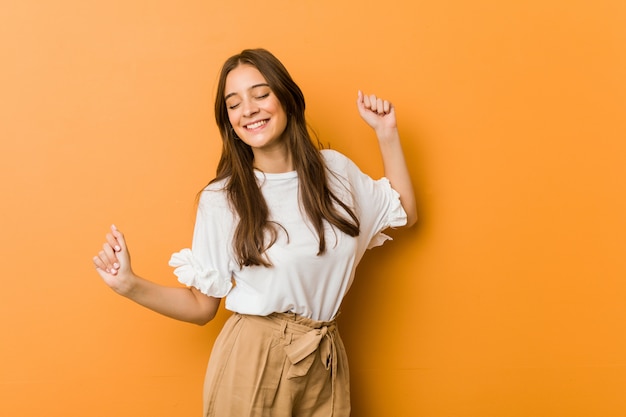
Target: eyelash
{"x":261,"y":97}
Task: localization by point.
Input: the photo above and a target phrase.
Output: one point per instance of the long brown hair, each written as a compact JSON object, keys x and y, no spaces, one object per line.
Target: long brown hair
{"x":235,"y":166}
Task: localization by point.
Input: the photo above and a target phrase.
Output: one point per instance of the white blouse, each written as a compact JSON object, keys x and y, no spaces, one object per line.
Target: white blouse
{"x":299,"y":281}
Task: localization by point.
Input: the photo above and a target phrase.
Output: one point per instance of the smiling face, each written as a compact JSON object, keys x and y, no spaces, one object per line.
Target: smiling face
{"x":254,"y":111}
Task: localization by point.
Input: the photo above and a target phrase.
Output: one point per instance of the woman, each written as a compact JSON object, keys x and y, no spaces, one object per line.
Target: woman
{"x":279,"y":233}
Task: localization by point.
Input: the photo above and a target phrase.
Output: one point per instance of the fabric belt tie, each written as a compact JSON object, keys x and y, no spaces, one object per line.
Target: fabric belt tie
{"x":301,"y":354}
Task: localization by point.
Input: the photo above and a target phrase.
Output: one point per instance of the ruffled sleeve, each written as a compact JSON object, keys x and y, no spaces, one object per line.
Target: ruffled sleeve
{"x":396,"y":216}
{"x":207,"y":265}
{"x":192,"y":273}
{"x":377,"y":204}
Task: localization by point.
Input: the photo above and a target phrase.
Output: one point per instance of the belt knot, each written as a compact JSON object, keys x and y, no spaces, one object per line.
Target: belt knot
{"x":300,"y":352}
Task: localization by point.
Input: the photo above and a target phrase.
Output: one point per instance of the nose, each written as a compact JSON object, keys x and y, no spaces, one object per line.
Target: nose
{"x":249,"y":108}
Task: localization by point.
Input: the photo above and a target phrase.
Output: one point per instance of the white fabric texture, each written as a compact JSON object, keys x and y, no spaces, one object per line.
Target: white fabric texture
{"x":299,"y":281}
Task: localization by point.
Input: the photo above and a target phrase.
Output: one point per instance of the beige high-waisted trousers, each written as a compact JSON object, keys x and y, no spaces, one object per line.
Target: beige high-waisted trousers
{"x":281,"y":365}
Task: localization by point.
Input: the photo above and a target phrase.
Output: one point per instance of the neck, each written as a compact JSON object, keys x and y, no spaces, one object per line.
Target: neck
{"x":273,"y":162}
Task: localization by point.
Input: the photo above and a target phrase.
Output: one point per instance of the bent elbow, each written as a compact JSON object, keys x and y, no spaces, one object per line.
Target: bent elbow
{"x":202,"y":320}
{"x":411,"y":219}
{"x":411,"y":222}
{"x":207,"y":308}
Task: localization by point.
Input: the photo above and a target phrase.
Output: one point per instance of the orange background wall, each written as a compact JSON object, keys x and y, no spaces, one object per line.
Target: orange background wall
{"x":507,"y":300}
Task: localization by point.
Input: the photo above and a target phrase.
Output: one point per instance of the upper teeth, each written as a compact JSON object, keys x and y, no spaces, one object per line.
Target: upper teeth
{"x":256,"y":124}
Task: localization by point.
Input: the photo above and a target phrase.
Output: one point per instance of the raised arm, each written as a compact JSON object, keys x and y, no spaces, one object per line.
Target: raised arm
{"x":180,"y":303}
{"x":380,"y":115}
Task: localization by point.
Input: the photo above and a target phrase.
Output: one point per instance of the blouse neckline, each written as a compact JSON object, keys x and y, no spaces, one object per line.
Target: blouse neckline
{"x":275,"y":176}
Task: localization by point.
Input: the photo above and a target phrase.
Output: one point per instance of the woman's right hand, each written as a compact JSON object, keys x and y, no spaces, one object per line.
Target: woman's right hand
{"x":113,"y":263}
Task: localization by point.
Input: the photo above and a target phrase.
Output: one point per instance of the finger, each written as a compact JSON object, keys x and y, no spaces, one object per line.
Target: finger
{"x":111,"y":240}
{"x":380,"y":108}
{"x":109,"y":253}
{"x":97,"y":261}
{"x":109,"y":258}
{"x":386,"y":107}
{"x":373,"y":103}
{"x":366,"y":102}
{"x":102,"y":262}
{"x":119,"y":236}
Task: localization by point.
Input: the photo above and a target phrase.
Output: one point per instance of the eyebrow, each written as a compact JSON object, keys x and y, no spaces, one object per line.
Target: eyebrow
{"x":251,"y":88}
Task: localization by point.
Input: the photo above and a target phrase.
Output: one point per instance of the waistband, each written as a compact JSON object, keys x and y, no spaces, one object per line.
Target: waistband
{"x":294,"y":322}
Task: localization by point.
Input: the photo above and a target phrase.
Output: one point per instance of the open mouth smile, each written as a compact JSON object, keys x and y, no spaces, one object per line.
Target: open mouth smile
{"x":256,"y":125}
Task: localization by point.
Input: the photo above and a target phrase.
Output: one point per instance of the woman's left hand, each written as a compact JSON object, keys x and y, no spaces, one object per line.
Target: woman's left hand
{"x":379,"y":114}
